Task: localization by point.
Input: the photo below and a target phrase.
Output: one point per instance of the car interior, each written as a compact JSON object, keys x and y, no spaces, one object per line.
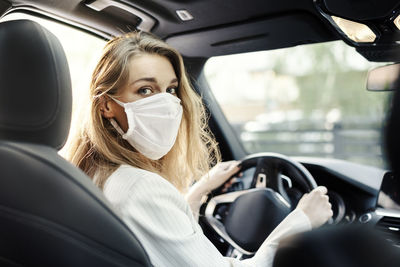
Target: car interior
{"x":53,"y":215}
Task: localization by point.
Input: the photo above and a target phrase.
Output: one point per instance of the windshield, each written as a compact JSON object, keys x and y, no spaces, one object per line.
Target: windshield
{"x":308,"y":100}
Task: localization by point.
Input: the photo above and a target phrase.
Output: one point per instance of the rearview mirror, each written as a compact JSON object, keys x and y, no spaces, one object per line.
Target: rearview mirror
{"x":385,"y":78}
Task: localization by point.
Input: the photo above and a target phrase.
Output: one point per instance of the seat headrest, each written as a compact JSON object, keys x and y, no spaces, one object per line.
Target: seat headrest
{"x":35,"y":85}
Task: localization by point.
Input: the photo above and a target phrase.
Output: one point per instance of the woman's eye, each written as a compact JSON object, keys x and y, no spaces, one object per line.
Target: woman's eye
{"x":145,"y":91}
{"x":172,"y":90}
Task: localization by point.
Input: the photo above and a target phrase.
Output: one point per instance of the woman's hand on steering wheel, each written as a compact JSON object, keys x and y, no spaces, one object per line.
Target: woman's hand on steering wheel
{"x":219,"y":175}
{"x":316,"y":206}
{"x":215,"y":178}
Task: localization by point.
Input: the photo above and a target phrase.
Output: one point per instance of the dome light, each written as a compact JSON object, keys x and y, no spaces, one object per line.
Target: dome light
{"x":397,"y":22}
{"x":355,"y":31}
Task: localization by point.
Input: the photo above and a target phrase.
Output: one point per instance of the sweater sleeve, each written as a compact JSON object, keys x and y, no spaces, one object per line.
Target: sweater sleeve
{"x":163,"y":222}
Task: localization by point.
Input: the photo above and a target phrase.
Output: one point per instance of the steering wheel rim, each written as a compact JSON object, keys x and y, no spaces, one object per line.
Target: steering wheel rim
{"x":262,"y":171}
{"x":267,"y":165}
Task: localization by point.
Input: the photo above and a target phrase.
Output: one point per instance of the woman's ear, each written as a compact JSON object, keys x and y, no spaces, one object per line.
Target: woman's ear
{"x":106,"y":108}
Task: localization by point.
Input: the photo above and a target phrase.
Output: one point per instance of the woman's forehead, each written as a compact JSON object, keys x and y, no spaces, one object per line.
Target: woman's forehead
{"x":151,"y":66}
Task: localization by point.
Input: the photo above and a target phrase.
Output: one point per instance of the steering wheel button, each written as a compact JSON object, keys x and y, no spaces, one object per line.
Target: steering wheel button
{"x":365,"y":218}
{"x":261,"y":180}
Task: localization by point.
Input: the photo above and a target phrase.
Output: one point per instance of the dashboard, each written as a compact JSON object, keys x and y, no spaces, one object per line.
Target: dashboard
{"x":386,"y":216}
{"x":353,"y":188}
{"x":358,"y":193}
{"x":364,"y":194}
{"x":389,"y":195}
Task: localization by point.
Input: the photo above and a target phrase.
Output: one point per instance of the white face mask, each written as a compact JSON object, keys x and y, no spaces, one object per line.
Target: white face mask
{"x":153,"y":124}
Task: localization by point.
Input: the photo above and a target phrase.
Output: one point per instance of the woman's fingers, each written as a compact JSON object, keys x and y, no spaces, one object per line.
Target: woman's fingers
{"x":227,"y":165}
{"x":228,"y":184}
{"x":316,"y":206}
{"x":321,"y":189}
{"x":230,"y":167}
{"x":219,"y":174}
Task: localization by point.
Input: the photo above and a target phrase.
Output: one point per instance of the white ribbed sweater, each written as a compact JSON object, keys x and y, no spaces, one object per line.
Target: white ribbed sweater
{"x":163,"y":222}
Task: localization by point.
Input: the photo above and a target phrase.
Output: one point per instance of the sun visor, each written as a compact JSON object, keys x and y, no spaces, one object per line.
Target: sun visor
{"x":272,"y":33}
{"x":361,"y":10}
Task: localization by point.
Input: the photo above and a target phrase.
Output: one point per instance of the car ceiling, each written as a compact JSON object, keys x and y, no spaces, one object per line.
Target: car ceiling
{"x":218,"y":27}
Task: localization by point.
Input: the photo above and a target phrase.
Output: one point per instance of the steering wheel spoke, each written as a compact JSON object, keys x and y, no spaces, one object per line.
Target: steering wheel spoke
{"x":217,"y":225}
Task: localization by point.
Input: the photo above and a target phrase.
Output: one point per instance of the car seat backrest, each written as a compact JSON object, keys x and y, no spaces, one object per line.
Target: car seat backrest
{"x":51,"y":214}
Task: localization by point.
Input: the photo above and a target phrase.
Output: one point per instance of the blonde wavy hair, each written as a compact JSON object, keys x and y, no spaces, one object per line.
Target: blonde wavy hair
{"x":98,"y":149}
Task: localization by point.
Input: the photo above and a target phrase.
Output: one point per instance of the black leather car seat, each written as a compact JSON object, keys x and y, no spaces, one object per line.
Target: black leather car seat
{"x":50,"y":212}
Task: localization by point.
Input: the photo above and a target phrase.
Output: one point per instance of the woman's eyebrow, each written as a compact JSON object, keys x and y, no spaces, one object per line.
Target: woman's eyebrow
{"x":146,"y":79}
{"x":152,"y":80}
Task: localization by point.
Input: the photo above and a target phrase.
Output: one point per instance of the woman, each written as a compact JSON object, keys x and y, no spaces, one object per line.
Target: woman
{"x":146,"y":140}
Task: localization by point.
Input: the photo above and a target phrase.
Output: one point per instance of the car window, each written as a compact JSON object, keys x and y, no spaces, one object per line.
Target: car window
{"x":308,"y":100}
{"x":82,"y":51}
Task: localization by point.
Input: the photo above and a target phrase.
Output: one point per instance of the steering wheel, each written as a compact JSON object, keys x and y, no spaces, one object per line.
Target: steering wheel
{"x":253,"y":213}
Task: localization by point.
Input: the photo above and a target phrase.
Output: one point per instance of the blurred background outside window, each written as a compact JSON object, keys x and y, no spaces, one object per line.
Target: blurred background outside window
{"x":308,"y":100}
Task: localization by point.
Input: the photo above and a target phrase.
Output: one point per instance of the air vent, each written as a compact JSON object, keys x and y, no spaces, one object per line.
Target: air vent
{"x":390,"y":226}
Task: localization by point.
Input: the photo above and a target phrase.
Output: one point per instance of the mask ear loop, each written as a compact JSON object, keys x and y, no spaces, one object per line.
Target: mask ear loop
{"x":122,"y":104}
{"x":113,"y":122}
{"x":116,"y":126}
